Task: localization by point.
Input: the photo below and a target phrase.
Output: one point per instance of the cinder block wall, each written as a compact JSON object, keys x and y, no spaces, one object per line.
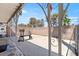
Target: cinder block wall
{"x":40,"y":31}
{"x":67,"y":32}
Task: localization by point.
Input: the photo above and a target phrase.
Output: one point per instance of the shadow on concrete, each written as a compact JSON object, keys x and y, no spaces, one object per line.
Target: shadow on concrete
{"x":72,"y":48}
{"x":31,"y":49}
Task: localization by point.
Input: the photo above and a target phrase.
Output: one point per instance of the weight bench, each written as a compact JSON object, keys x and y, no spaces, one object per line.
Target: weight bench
{"x":21,"y":37}
{"x":30,"y":37}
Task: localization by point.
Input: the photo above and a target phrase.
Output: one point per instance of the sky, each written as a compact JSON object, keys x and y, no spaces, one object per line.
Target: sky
{"x":33,"y":10}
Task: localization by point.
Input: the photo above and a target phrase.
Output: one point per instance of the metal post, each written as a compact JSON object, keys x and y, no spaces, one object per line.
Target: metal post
{"x":60,"y":7}
{"x":49,"y":31}
{"x":16,"y":21}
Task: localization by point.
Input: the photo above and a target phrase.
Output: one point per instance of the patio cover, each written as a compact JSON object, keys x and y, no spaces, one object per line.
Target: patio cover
{"x":8,"y":10}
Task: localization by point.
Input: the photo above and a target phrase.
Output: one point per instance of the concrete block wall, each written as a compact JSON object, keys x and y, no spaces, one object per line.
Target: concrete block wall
{"x":67,"y":32}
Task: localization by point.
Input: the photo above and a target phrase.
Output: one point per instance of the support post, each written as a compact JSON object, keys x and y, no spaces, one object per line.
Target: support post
{"x":17,"y":16}
{"x":49,"y":31}
{"x":60,"y":8}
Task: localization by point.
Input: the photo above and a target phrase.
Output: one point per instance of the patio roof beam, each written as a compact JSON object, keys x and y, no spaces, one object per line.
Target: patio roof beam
{"x":15,"y":12}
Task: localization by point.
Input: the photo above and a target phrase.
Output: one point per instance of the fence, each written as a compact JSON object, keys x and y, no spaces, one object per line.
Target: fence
{"x":67,"y":32}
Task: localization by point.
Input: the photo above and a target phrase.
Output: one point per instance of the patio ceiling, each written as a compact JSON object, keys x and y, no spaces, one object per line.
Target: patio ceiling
{"x":7,"y":11}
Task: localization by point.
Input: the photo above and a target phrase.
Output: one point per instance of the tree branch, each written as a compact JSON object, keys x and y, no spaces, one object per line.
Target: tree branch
{"x":65,"y":10}
{"x":43,"y":10}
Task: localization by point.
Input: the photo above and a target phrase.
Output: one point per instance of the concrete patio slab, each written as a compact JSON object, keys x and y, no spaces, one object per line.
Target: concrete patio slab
{"x":38,"y":46}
